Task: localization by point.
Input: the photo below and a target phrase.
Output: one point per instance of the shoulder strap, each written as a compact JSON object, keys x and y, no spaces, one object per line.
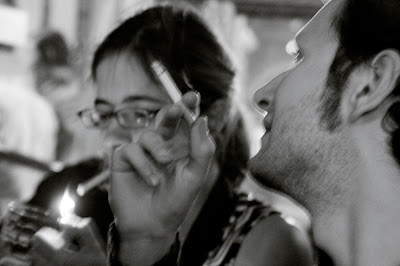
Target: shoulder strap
{"x":247,"y":213}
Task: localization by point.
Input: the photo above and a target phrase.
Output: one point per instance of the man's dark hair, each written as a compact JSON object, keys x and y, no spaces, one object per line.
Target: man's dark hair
{"x":364,"y":28}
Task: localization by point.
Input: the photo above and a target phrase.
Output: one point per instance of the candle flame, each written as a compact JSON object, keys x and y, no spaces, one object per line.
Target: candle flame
{"x":67,"y":205}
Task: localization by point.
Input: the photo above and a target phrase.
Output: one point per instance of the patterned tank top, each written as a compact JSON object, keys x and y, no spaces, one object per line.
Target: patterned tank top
{"x":248,"y":212}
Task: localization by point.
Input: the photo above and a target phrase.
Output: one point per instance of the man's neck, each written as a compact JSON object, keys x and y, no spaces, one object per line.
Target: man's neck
{"x":330,"y":213}
{"x":331,"y":234}
{"x":376,"y":209}
{"x":365,"y":231}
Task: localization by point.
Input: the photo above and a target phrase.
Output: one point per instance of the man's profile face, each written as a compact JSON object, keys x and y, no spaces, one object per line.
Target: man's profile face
{"x":297,"y":152}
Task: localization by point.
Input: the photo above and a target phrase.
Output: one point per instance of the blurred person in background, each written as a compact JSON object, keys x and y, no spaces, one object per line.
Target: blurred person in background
{"x":57,"y":79}
{"x":223,"y":226}
{"x":53,"y":67}
{"x":32,"y":125}
{"x":28,"y":126}
{"x":28,"y":137}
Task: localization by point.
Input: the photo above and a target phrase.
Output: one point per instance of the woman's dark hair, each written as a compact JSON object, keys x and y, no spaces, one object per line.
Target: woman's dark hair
{"x":180,"y":39}
{"x":364,"y":28}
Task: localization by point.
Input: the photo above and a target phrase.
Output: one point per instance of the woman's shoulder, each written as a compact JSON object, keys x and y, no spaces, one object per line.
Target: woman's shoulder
{"x":273,"y":241}
{"x":258,"y":235}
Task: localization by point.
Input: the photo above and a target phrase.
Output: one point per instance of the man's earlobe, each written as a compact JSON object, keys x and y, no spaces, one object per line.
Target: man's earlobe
{"x":382,"y":77}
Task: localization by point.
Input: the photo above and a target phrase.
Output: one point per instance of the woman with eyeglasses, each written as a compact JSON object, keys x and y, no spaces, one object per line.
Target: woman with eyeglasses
{"x":159,"y":214}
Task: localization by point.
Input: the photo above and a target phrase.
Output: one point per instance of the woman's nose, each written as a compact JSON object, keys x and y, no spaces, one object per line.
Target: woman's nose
{"x":115,"y":135}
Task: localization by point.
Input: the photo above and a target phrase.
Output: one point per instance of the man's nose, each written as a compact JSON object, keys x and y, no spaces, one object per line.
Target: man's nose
{"x":264,"y":97}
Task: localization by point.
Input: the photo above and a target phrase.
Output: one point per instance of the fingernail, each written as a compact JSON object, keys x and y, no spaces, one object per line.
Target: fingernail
{"x":165,"y":155}
{"x":154,"y":179}
{"x":203,"y":124}
{"x":198,"y":95}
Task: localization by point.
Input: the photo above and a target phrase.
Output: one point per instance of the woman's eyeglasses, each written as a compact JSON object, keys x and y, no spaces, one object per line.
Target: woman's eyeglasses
{"x":127,"y":117}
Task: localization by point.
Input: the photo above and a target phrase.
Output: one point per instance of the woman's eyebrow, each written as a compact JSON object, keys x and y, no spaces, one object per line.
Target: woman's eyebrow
{"x":101,"y":101}
{"x":135,"y":98}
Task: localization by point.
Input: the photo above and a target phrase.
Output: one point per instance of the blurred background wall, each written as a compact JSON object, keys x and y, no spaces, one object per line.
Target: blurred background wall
{"x":254,"y":31}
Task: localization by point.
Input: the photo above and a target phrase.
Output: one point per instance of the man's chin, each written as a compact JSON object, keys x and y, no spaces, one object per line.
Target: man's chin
{"x":265,"y":140}
{"x":257,"y":168}
{"x":263,"y":171}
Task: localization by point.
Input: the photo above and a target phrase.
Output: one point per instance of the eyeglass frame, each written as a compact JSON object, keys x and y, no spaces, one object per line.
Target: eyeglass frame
{"x":114,"y":114}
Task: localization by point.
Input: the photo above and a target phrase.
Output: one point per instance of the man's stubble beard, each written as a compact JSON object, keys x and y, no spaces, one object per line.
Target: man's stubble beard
{"x":299,"y":159}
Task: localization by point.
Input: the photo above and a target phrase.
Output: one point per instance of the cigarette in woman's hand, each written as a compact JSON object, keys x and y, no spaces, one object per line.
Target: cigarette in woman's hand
{"x":172,"y":89}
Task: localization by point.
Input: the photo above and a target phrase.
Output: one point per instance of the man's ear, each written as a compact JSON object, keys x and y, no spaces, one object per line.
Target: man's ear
{"x":381,"y":79}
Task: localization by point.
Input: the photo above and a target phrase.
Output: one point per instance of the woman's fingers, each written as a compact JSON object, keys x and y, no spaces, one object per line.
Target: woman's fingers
{"x":153,"y":148}
{"x":192,"y":101}
{"x":168,"y":120}
{"x":202,"y":149}
{"x":132,"y":158}
{"x":170,"y":117}
{"x":157,"y":148}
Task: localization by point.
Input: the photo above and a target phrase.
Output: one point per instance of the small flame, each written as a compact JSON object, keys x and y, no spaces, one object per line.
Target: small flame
{"x":67,"y":206}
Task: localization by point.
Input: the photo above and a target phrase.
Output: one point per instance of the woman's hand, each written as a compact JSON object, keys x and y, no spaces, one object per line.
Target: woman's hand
{"x":155,"y":181}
